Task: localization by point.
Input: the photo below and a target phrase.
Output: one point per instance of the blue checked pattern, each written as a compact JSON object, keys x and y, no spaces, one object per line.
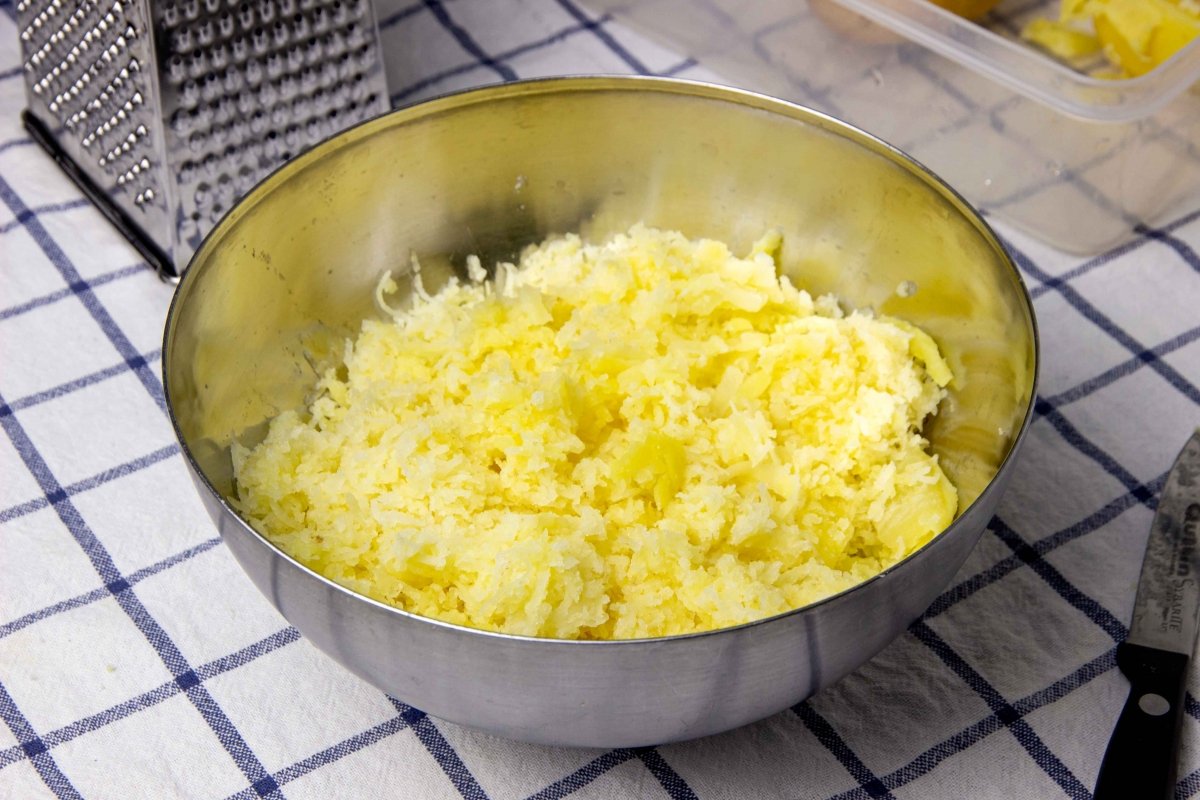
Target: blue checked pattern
{"x":1077,"y":183}
{"x":137,"y":661}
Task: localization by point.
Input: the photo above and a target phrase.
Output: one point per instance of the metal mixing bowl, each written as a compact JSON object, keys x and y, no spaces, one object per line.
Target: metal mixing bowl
{"x":289,"y":273}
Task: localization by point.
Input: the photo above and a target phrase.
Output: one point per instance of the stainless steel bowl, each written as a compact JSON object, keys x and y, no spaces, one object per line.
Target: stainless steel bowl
{"x":290,"y":272}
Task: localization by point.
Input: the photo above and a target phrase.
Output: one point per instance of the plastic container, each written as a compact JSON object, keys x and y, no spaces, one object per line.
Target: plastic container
{"x":1080,"y":162}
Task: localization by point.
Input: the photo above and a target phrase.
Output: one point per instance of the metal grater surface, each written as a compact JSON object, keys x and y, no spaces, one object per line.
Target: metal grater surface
{"x":165,"y":113}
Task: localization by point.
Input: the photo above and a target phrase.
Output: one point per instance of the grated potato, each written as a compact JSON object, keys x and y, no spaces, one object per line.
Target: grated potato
{"x":641,"y":438}
{"x":1135,"y":36}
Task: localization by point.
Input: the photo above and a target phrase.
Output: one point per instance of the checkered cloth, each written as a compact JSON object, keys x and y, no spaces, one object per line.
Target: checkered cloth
{"x":136,"y":660}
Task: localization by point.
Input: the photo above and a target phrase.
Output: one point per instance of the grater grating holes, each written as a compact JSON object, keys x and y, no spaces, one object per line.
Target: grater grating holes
{"x":237,"y":86}
{"x":283,"y":76}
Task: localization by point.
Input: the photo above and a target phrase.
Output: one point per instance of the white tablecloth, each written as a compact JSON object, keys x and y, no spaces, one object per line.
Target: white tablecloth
{"x":136,"y":659}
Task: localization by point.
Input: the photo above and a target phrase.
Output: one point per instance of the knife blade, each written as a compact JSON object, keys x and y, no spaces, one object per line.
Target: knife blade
{"x":1141,"y":757}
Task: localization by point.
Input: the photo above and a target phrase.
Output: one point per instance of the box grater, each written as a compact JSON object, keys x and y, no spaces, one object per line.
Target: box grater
{"x":166,"y":111}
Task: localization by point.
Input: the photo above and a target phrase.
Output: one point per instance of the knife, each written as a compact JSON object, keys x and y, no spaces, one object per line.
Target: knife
{"x":1140,"y":759}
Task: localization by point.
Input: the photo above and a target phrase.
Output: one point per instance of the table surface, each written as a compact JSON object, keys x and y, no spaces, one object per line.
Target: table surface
{"x":136,"y":659}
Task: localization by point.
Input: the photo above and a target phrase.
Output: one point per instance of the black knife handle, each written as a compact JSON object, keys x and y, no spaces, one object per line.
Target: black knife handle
{"x":1140,"y":760}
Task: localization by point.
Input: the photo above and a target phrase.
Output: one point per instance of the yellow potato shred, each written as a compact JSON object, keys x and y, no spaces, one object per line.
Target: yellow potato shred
{"x":1135,"y":36}
{"x":640,"y":438}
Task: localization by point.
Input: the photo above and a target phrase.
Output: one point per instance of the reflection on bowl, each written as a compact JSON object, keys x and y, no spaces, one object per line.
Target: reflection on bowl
{"x":290,"y":273}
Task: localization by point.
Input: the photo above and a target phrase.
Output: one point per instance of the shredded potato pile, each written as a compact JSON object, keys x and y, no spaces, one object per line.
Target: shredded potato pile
{"x":641,"y":438}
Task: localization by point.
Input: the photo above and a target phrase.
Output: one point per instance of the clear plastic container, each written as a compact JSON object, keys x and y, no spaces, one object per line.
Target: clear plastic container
{"x":1082,"y":163}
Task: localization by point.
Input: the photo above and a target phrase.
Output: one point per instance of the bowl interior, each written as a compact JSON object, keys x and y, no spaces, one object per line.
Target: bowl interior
{"x":279,"y":284}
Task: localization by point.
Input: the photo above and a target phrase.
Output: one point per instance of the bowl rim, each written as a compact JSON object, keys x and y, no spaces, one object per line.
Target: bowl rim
{"x":459,"y":99}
